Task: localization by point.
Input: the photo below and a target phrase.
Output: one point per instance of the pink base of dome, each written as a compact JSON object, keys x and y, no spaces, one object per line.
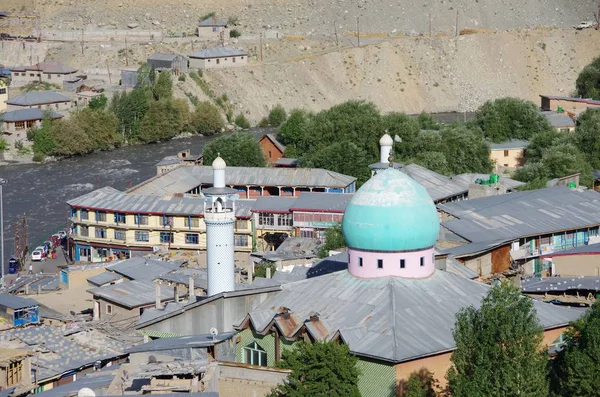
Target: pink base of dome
{"x":417,"y":264}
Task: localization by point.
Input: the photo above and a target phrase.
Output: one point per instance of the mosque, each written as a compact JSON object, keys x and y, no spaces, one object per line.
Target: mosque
{"x":392,"y":307}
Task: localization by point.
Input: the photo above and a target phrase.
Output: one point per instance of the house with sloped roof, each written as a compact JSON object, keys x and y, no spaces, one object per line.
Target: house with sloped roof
{"x":173,"y":63}
{"x":43,"y":72}
{"x":14,"y":124}
{"x":272,"y":148}
{"x":40,"y":100}
{"x":560,"y":121}
{"x":212,"y":27}
{"x":508,"y":154}
{"x":218,"y":57}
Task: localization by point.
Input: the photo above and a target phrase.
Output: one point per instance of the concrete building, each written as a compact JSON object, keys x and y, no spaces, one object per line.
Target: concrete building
{"x":19,"y":311}
{"x":390,"y":293}
{"x":83,"y":98}
{"x":76,"y":276}
{"x":3,"y":96}
{"x":169,"y":163}
{"x":16,"y":123}
{"x":218,"y":57}
{"x":212,"y":27}
{"x":510,"y":154}
{"x":44,"y":100}
{"x":272,"y":148}
{"x":567,"y":104}
{"x":129,"y":78}
{"x":176,"y":64}
{"x":575,"y":262}
{"x":561,"y":121}
{"x":43,"y":72}
{"x":15,"y":369}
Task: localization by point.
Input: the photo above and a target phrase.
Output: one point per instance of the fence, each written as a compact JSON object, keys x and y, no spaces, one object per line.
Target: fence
{"x":101,"y":35}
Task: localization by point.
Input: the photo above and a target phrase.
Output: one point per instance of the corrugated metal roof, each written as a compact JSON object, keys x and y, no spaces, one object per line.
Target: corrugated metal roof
{"x":473,"y":248}
{"x":185,"y":179}
{"x":286,"y":162}
{"x":391,"y":318}
{"x":559,"y":120}
{"x":515,"y":215}
{"x":104,"y":278}
{"x":468,"y":178}
{"x":273,"y":204}
{"x":143,"y":268}
{"x":539,"y":285}
{"x":16,"y":302}
{"x":218,"y":52}
{"x":27,"y":115}
{"x":182,"y":342}
{"x":455,"y":267}
{"x":591,"y":249}
{"x":111,"y":199}
{"x":133,"y":293}
{"x":48,"y":67}
{"x":213,"y":22}
{"x":438,"y":186}
{"x":159,"y":56}
{"x":93,"y":381}
{"x":34,"y":98}
{"x":571,"y":99}
{"x":322,"y":202}
{"x":508,"y":145}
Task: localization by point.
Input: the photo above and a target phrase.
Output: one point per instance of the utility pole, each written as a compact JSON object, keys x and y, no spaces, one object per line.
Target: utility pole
{"x":429,"y":25}
{"x":108,"y":68}
{"x":261,"y":48}
{"x":335,"y":33}
{"x":82,"y":40}
{"x":358,"y":30}
{"x":126,"y":53}
{"x":456,"y":23}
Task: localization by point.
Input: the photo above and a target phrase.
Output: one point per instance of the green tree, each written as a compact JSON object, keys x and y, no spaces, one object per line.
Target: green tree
{"x":465,"y":150}
{"x":435,"y":161}
{"x":407,"y":128}
{"x":98,"y":102}
{"x":130,"y":108}
{"x":146,"y":76}
{"x":588,"y":81}
{"x":43,"y":144}
{"x":510,"y":118}
{"x":238,"y":150}
{"x":576,"y":369}
{"x":163,"y":89}
{"x":206,"y":119}
{"x":295,"y":133}
{"x":587,"y":136}
{"x":427,"y":122}
{"x":101,"y":126}
{"x":277,"y":116}
{"x":417,"y":387}
{"x":499,"y":348}
{"x":334,"y":239}
{"x":319,"y":369}
{"x":69,"y":139}
{"x":242,"y":122}
{"x":260,"y":270}
{"x":540,"y":143}
{"x":164,"y":120}
{"x":344,"y":157}
{"x":234,"y":33}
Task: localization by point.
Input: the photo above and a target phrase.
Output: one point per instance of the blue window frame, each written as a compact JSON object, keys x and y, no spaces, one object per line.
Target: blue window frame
{"x":167,"y":221}
{"x":120,"y":235}
{"x":73,"y":212}
{"x":143,"y":237}
{"x":241,"y":241}
{"x":166,"y":237}
{"x":100,"y":232}
{"x":100,"y":216}
{"x":120,"y":218}
{"x":84,"y":215}
{"x":191,"y":238}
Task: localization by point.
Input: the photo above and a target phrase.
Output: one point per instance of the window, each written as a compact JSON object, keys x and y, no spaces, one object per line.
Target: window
{"x":379,"y":263}
{"x":167,"y":221}
{"x":422,"y":261}
{"x":120,"y":218}
{"x":564,"y":130}
{"x":141,"y":219}
{"x":266,"y":219}
{"x":120,"y":235}
{"x":241,"y":224}
{"x":192,"y":222}
{"x":191,"y":238}
{"x":2,"y":91}
{"x":241,"y":57}
{"x":402,"y":263}
{"x":84,"y":231}
{"x":19,"y":125}
{"x":233,"y":60}
{"x":31,"y":75}
{"x":307,"y":233}
{"x":100,"y":216}
{"x":284,"y":220}
{"x":240,"y":241}
{"x":84,"y":215}
{"x":270,"y":155}
{"x":255,"y":355}
{"x":166,"y":237}
{"x":218,"y":61}
{"x":100,"y":232}
{"x":360,"y":262}
{"x":48,"y":76}
{"x":109,"y":309}
{"x":143,"y":237}
{"x":14,"y":372}
{"x":506,"y":153}
{"x":30,"y":124}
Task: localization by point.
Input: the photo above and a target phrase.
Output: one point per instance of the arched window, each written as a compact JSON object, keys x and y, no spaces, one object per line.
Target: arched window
{"x":255,"y":355}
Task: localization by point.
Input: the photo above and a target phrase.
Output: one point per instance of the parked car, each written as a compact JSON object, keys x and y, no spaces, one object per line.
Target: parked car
{"x":584,"y":25}
{"x":36,"y":255}
{"x":48,"y":245}
{"x":42,"y":248}
{"x":14,"y":265}
{"x":62,"y":234}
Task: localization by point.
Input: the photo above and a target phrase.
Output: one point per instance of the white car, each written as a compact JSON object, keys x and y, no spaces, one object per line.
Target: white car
{"x":36,"y":255}
{"x":62,"y":234}
{"x":42,"y":249}
{"x":584,"y":25}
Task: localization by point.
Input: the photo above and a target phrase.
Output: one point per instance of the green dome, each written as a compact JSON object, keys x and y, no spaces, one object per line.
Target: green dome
{"x":391,"y":212}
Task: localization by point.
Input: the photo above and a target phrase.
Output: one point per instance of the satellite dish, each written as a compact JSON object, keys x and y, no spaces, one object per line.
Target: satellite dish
{"x":86,"y":392}
{"x":214,"y":332}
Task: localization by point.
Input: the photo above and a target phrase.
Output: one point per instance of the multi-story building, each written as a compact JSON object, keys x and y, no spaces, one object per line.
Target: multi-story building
{"x":50,"y":72}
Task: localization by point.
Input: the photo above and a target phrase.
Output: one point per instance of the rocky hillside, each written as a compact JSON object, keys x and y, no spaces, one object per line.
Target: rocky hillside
{"x":310,"y":16}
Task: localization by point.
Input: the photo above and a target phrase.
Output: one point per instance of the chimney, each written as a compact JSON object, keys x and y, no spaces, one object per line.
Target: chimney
{"x":191,"y":290}
{"x":385,"y":148}
{"x":157,"y":291}
{"x":268,"y":272}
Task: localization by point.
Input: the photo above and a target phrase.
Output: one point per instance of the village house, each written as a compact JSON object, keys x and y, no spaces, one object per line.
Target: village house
{"x":176,"y":64}
{"x":41,"y":100}
{"x":43,"y":72}
{"x":509,"y":154}
{"x":212,"y":27}
{"x":83,"y":98}
{"x":218,"y":57}
{"x":567,"y":104}
{"x":3,"y":95}
{"x":560,"y":121}
{"x":575,"y":262}
{"x":579,"y":291}
{"x":18,"y":310}
{"x":272,"y":148}
{"x":16,"y":123}
{"x":169,"y":163}
{"x":15,"y":369}
{"x":76,"y":276}
{"x":129,"y":78}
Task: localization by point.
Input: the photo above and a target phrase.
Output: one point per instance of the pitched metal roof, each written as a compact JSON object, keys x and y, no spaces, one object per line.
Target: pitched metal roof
{"x":286,"y":162}
{"x":184,"y":179}
{"x":48,"y":67}
{"x":276,"y":204}
{"x":104,"y":278}
{"x":182,"y":342}
{"x":16,"y":302}
{"x":273,"y":139}
{"x":133,"y":293}
{"x":138,"y":268}
{"x":453,"y":266}
{"x":540,"y":285}
{"x":210,"y":22}
{"x":468,"y":178}
{"x":326,"y":202}
{"x":559,"y":120}
{"x":591,"y":249}
{"x":438,"y":186}
{"x":391,"y":318}
{"x":520,"y":214}
{"x":34,"y":98}
{"x":473,"y":248}
{"x":159,"y":56}
{"x":27,"y":115}
{"x":218,"y":52}
{"x":111,"y":199}
{"x":509,"y":145}
{"x":571,"y":99}
{"x":93,"y":381}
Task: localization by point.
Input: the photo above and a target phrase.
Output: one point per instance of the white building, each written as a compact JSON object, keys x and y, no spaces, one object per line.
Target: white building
{"x":218,"y":57}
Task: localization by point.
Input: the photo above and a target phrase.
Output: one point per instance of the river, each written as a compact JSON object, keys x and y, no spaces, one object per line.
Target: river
{"x":40,"y":191}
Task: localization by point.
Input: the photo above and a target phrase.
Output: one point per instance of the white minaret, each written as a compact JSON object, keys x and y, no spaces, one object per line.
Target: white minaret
{"x":385,"y":147}
{"x":219,"y":216}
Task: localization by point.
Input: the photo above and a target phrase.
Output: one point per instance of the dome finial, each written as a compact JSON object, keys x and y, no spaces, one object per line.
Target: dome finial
{"x":391,"y":159}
